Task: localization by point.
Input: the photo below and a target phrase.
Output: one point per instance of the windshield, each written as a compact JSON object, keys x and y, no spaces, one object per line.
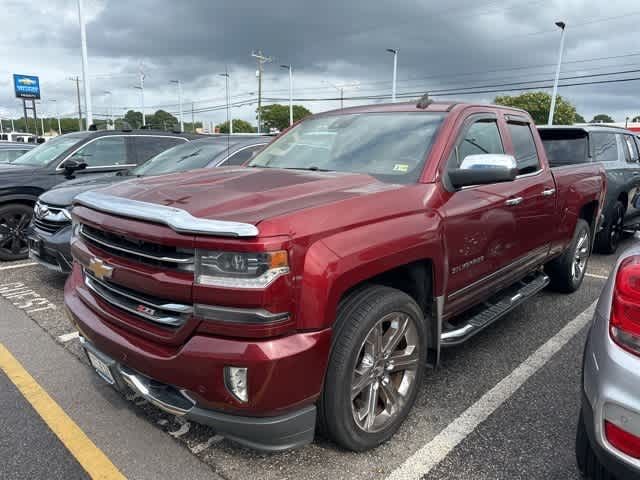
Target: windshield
{"x":187,"y":156}
{"x":389,"y":146}
{"x":45,"y":153}
{"x":567,"y":149}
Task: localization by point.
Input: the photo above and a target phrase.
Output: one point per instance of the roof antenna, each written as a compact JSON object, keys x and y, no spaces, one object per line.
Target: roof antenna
{"x":424,"y":101}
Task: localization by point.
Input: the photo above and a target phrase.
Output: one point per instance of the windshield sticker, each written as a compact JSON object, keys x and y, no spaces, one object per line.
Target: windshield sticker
{"x":401,"y":167}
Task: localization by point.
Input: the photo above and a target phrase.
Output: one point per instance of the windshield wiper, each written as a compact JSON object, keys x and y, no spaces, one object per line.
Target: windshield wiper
{"x":313,"y":168}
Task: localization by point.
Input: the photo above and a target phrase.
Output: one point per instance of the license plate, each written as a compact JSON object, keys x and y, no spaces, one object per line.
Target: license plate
{"x":101,"y":368}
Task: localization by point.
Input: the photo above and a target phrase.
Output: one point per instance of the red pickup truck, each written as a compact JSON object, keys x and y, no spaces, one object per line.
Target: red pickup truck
{"x":312,"y":288}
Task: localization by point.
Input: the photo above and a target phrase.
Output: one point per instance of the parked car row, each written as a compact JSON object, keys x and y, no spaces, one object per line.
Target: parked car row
{"x":307,"y":287}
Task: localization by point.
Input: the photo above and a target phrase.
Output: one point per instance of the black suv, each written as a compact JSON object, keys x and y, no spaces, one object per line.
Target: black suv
{"x":85,"y":154}
{"x":618,"y":150}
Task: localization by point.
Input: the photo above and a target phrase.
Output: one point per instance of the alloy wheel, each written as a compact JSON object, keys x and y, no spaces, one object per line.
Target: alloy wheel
{"x":13,"y":232}
{"x":385,"y":372}
{"x":581,"y":256}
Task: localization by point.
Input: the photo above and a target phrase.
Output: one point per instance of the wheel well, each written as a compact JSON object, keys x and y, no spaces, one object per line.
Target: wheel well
{"x":414,"y":279}
{"x":624,"y":199}
{"x":22,"y":201}
{"x":588,"y":213}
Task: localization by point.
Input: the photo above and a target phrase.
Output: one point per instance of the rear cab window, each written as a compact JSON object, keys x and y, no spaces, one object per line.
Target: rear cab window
{"x":524,"y":146}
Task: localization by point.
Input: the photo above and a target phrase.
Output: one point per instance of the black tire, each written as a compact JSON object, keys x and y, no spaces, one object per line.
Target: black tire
{"x":14,"y":220}
{"x":588,"y":463}
{"x":608,"y":238}
{"x":562,"y":270}
{"x":358,"y":316}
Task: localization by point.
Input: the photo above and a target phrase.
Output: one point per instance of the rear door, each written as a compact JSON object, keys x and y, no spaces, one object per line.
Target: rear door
{"x":536,"y":210}
{"x":633,"y":161}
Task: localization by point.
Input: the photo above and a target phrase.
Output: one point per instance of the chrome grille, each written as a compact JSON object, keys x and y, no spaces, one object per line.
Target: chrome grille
{"x":49,"y":218}
{"x":142,"y":251}
{"x":153,"y":309}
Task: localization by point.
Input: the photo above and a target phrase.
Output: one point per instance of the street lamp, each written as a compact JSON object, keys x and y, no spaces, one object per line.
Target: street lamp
{"x":226,"y":83}
{"x":55,"y":102}
{"x":177,"y":82}
{"x":395,"y":71}
{"x":290,"y":68}
{"x":85,"y":67}
{"x":341,"y":87}
{"x":110,"y":111}
{"x":561,"y":26}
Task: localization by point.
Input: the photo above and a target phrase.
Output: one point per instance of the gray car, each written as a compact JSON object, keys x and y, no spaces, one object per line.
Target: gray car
{"x":608,"y":437}
{"x":9,"y":151}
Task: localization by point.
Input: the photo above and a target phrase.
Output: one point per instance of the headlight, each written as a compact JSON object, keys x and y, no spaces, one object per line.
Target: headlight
{"x":239,"y":269}
{"x":66,"y":212}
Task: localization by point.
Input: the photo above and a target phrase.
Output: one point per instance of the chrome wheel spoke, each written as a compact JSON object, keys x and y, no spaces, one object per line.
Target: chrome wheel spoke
{"x":370,"y":409}
{"x":360,"y":384}
{"x":395,"y":334}
{"x":403,"y":361}
{"x":390,"y":396}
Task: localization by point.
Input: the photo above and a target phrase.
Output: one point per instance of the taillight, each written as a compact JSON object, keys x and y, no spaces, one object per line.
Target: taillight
{"x":624,"y":325}
{"x":622,"y":440}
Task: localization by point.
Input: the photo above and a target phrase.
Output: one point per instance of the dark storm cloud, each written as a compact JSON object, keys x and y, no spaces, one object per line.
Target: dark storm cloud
{"x":442,"y":45}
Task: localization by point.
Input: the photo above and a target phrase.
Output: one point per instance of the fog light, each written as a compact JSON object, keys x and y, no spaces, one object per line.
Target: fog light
{"x":235,"y":379}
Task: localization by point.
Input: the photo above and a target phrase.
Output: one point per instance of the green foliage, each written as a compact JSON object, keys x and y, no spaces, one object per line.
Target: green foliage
{"x":133,"y":118}
{"x":636,"y":119}
{"x":579,"y":118}
{"x":239,"y":126}
{"x":162,"y":120}
{"x":602,"y":118}
{"x":538,"y":105}
{"x":277,"y":116}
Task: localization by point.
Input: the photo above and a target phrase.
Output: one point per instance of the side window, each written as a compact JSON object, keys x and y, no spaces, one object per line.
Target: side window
{"x":148,"y":146}
{"x":104,"y":152}
{"x":524,"y":147}
{"x":605,"y":147}
{"x":481,"y":137}
{"x":632,"y":149}
{"x":239,"y":158}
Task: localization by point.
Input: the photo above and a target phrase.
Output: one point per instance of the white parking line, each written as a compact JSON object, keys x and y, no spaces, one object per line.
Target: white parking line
{"x":22,"y":265}
{"x":432,"y":453}
{"x":68,"y":337}
{"x":593,"y":275}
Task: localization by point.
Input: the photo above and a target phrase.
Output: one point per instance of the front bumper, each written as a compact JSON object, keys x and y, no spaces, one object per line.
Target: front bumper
{"x":285,"y":373}
{"x":52,"y":250}
{"x":282,"y":432}
{"x":611,"y":378}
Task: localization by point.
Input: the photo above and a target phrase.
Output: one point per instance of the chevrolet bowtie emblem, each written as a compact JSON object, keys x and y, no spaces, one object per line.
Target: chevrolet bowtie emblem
{"x":100,"y":269}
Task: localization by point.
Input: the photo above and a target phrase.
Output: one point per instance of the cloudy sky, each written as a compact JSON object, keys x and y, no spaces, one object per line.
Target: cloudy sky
{"x":466,"y":49}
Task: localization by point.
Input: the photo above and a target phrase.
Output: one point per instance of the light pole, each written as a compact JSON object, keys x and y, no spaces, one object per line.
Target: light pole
{"x":110,"y":111}
{"x":395,"y":72}
{"x":177,"y":82}
{"x":141,"y":88}
{"x":55,"y":103}
{"x":226,"y":83}
{"x":290,"y":68}
{"x":341,"y":87}
{"x":85,"y":67}
{"x":562,"y":27}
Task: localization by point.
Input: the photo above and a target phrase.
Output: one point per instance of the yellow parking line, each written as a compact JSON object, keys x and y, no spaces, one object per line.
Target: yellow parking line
{"x":92,"y":459}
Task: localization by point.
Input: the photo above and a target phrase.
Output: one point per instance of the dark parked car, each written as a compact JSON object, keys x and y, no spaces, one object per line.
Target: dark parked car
{"x":86,"y":154}
{"x":618,"y":151}
{"x":9,"y":151}
{"x":50,"y":233}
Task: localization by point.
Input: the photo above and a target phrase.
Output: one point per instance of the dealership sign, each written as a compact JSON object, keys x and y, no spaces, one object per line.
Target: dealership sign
{"x":26,"y":86}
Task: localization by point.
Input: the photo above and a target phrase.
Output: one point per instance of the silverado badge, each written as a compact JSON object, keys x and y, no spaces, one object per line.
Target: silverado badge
{"x":100,"y":269}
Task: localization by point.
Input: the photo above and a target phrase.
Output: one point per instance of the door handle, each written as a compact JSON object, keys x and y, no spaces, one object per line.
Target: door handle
{"x":547,"y":192}
{"x":513,"y":201}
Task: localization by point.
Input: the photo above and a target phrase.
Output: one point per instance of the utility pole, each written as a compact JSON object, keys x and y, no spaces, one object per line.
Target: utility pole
{"x":229,"y":120}
{"x":85,"y":66}
{"x":261,"y":59}
{"x":77,"y":80}
{"x":179,"y":102}
{"x":561,"y":26}
{"x":193,"y":119}
{"x":110,"y":111}
{"x":55,"y":102}
{"x":141,"y":88}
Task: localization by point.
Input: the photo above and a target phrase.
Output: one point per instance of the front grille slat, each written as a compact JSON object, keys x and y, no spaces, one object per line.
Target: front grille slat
{"x":141,"y":251}
{"x":152,"y":309}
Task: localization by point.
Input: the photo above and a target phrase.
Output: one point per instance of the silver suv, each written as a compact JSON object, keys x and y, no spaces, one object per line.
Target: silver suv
{"x":608,"y":437}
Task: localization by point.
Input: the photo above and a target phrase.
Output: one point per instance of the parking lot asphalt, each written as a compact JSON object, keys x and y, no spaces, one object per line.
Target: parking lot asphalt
{"x":529,"y":435}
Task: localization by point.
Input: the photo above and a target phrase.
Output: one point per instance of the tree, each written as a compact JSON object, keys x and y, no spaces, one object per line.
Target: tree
{"x":277,"y":116}
{"x":602,"y":118}
{"x":133,"y":118}
{"x":162,"y":120}
{"x":636,"y":119}
{"x":579,"y":118}
{"x":538,"y":105}
{"x":239,"y":126}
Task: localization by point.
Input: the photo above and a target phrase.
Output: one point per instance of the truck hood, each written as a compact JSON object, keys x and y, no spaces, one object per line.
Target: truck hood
{"x":63,"y":194}
{"x":248,"y":195}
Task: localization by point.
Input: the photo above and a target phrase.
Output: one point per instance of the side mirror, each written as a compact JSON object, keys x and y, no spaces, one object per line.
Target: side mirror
{"x":72,"y":165}
{"x":484,"y":169}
